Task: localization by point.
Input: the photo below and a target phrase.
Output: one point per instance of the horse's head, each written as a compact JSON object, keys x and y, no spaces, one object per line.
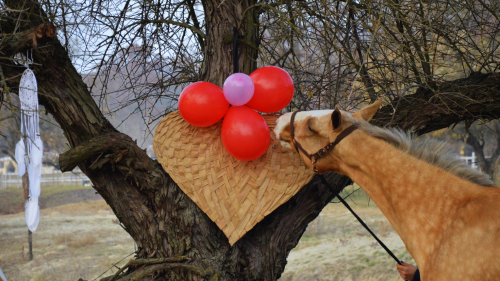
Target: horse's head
{"x":314,"y":130}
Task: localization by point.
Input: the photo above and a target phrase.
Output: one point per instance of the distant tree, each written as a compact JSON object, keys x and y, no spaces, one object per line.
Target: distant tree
{"x":8,"y":133}
{"x":485,"y":140}
{"x":51,"y":133}
{"x":480,"y":137}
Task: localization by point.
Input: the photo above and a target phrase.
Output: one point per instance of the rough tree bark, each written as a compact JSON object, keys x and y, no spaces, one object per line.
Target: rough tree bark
{"x":220,"y":18}
{"x":162,"y":220}
{"x":445,"y":103}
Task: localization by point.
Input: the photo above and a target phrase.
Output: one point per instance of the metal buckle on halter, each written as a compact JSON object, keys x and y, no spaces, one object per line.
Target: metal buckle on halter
{"x":322,"y":152}
{"x":315,"y":169}
{"x":313,"y":162}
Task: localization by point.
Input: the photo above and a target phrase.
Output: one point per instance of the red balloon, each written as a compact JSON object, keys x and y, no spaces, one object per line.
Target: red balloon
{"x":273,"y":89}
{"x":202,"y":104}
{"x":245,"y":133}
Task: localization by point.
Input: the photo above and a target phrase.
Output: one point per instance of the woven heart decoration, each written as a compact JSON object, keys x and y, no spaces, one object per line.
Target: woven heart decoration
{"x":235,"y":194}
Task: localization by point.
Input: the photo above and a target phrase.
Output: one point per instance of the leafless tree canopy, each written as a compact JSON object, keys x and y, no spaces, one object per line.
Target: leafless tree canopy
{"x":338,"y":53}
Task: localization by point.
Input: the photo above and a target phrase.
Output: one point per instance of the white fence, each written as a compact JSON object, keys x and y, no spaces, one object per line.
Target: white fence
{"x":54,"y":178}
{"x":471,"y":160}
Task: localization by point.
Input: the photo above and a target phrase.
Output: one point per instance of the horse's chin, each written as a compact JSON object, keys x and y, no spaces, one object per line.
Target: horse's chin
{"x":286,"y":145}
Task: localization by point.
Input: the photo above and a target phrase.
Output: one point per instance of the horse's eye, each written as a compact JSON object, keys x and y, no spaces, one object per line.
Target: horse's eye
{"x":309,"y":126}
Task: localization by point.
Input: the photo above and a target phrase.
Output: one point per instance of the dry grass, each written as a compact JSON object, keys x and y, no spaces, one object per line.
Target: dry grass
{"x":83,"y":240}
{"x":336,"y":247}
{"x":72,"y":241}
{"x":87,"y":240}
{"x":63,"y":239}
{"x":12,"y":199}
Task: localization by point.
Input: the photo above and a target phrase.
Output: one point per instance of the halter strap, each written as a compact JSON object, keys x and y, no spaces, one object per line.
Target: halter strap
{"x":322,"y":152}
{"x":292,"y":134}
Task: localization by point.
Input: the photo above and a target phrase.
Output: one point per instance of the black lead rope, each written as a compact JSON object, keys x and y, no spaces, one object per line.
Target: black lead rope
{"x":236,"y":68}
{"x":323,"y":180}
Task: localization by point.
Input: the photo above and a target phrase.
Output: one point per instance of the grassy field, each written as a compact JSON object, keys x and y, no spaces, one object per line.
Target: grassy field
{"x":82,"y":240}
{"x":336,"y":247}
{"x":12,"y":199}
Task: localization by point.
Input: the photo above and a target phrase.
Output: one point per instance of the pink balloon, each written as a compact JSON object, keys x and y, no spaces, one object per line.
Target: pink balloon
{"x":238,"y":89}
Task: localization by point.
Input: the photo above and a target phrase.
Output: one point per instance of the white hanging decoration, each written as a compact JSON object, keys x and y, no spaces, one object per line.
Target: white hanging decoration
{"x":20,"y":153}
{"x":2,"y":276}
{"x":32,"y":213}
{"x":30,"y":155}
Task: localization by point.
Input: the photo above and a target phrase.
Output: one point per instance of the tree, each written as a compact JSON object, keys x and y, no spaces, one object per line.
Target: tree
{"x":395,"y":48}
{"x":483,"y":139}
{"x":479,"y":137}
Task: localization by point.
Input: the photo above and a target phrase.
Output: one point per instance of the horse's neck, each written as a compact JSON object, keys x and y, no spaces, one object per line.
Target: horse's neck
{"x":418,"y":199}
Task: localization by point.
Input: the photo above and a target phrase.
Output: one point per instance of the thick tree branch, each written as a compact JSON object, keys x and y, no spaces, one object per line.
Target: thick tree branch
{"x":444,"y":104}
{"x":144,"y":262}
{"x":192,"y":14}
{"x":147,"y":271}
{"x":181,"y":24}
{"x":21,"y":41}
{"x":102,"y":143}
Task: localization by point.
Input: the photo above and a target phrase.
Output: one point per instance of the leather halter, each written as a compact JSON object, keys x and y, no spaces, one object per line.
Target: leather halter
{"x":322,"y":152}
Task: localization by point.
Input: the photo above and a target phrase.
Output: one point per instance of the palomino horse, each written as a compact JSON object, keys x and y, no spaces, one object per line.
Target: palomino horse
{"x":447,"y":214}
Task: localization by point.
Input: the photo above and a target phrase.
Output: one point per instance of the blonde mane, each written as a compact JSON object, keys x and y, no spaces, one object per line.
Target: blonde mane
{"x":432,"y":151}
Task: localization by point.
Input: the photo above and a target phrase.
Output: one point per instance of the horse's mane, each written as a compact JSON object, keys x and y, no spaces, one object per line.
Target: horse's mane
{"x":432,"y":151}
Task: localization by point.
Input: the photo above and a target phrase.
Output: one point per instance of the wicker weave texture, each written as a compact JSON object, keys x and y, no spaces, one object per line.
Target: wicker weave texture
{"x":236,"y":195}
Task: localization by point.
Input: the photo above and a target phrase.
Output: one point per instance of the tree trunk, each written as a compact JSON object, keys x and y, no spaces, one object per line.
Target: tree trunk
{"x":488,"y":165}
{"x":220,"y":18}
{"x":162,"y":220}
{"x":175,"y":239}
{"x":484,"y":164}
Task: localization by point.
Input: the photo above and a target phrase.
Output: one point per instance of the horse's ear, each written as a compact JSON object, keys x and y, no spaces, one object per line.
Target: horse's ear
{"x":368,"y":112}
{"x":336,"y":119}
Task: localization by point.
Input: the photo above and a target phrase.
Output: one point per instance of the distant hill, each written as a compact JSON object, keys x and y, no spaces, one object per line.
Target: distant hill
{"x":136,"y":110}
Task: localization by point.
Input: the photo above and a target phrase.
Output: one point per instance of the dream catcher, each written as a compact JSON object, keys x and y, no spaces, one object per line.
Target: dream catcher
{"x":29,"y":149}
